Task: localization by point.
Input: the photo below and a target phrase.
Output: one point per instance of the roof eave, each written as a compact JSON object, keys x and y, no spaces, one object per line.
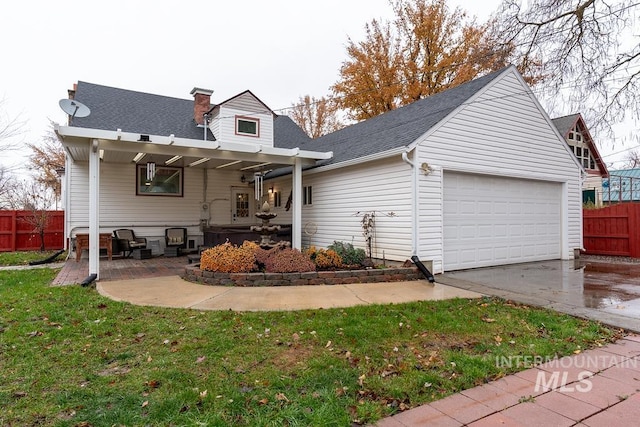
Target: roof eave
{"x":74,"y":133}
{"x":358,"y":161}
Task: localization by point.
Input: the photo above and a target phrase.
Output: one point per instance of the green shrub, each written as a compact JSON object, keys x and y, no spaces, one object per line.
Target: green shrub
{"x":349,"y":254}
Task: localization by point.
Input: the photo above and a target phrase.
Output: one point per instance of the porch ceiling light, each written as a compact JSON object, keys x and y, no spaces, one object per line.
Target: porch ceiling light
{"x":197,"y":162}
{"x":229,"y":164}
{"x":172,"y":160}
{"x":259,"y":165}
{"x":138,"y":157}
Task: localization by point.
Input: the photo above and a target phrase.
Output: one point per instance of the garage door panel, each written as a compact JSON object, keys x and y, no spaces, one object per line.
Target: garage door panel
{"x":496,"y":220}
{"x":500,"y":231}
{"x":485,"y":231}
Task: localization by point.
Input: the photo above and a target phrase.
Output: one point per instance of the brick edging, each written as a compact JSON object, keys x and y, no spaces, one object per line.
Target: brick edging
{"x":194,"y":274}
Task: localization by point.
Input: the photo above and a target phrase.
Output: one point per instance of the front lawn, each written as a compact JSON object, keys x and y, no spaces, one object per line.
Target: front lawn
{"x":25,"y":257}
{"x":70,"y":357}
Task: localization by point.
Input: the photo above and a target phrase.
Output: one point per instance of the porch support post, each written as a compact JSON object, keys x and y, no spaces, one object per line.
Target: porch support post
{"x":296,"y":214}
{"x":94,"y":209}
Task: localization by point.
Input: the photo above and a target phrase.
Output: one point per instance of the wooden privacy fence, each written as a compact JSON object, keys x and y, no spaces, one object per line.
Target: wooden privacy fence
{"x":612,"y":230}
{"x":18,"y":234}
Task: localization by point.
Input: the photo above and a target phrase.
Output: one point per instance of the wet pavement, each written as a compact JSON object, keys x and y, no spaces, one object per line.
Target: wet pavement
{"x":604,"y":291}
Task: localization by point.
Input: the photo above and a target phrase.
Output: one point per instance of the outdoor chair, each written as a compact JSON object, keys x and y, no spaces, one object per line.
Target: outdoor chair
{"x":128,"y":242}
{"x":175,"y":239}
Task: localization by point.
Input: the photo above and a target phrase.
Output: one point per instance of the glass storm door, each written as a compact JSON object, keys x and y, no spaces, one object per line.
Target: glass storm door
{"x":241,"y":210}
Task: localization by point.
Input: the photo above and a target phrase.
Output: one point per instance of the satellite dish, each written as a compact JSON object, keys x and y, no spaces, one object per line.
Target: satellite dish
{"x":74,"y":108}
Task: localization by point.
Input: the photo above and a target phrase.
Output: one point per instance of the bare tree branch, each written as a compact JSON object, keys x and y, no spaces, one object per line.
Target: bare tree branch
{"x":590,"y":52}
{"x":10,"y":127}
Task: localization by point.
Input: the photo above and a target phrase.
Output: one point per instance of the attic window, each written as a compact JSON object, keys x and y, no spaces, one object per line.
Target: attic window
{"x":247,"y":126}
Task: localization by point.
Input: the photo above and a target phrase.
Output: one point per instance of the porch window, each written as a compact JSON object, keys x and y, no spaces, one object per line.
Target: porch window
{"x":247,"y":126}
{"x":277,"y":199}
{"x":166,"y":181}
{"x":307,"y":195}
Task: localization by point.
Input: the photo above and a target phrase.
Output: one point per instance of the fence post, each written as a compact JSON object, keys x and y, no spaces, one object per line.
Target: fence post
{"x":14,"y":230}
{"x":633,"y":212}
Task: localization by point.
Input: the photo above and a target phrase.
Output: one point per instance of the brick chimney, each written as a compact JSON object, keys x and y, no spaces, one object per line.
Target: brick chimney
{"x":72,"y":92}
{"x":201,"y":103}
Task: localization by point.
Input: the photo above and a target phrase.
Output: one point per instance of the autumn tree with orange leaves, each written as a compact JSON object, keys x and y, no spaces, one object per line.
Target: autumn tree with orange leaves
{"x":427,"y":49}
{"x":316,"y":117}
{"x":46,"y":160}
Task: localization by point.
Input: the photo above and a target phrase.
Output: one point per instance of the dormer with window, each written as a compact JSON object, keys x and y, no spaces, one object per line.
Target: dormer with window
{"x":243,"y":119}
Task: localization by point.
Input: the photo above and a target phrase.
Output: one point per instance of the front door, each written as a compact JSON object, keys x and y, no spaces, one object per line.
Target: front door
{"x":241,"y":212}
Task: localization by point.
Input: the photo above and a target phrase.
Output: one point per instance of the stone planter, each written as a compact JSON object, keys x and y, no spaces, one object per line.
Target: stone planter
{"x":193,"y":273}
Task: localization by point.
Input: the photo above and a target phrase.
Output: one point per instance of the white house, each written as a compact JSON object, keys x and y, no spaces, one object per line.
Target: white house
{"x":474,"y":176}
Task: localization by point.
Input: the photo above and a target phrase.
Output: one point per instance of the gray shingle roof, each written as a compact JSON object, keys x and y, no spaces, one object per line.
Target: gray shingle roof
{"x":287,"y":134}
{"x":565,"y":124}
{"x":397,"y":128}
{"x":137,"y":112}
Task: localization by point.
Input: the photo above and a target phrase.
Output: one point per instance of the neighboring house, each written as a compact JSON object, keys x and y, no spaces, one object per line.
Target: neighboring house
{"x":622,"y":186}
{"x":574,"y":130}
{"x":474,"y":176}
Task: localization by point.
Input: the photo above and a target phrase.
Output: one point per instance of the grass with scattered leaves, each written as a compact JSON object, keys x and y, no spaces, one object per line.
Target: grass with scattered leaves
{"x":71,"y":357}
{"x":25,"y":257}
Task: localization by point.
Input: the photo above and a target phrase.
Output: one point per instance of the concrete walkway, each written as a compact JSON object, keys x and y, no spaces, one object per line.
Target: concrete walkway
{"x":172,"y":291}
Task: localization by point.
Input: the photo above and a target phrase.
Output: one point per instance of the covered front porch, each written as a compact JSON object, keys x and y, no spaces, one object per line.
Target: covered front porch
{"x":149,"y":183}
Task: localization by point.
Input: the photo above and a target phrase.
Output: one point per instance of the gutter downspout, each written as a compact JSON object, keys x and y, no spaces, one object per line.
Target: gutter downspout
{"x":415,"y":235}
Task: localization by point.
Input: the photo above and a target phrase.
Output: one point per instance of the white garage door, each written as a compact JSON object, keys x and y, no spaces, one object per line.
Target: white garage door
{"x":495,"y":220}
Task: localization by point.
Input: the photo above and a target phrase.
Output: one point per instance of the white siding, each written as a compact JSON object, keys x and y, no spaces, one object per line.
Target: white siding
{"x":219,"y":188}
{"x":223,"y":123}
{"x":339,"y":195}
{"x":120,"y":207}
{"x":500,"y":133}
{"x":246,"y":102}
{"x":282,"y":185}
{"x":430,"y":218}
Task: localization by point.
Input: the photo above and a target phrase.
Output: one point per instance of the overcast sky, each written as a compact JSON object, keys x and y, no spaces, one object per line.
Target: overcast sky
{"x":278,"y":49}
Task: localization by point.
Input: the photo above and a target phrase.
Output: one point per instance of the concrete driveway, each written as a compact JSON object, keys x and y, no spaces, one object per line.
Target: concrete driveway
{"x":603,"y":291}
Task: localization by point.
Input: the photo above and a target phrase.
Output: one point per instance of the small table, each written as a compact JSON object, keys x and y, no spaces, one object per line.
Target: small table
{"x":82,"y":242}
